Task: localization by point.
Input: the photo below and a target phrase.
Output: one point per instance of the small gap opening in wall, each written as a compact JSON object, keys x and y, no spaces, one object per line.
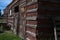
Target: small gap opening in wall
{"x":16,"y":9}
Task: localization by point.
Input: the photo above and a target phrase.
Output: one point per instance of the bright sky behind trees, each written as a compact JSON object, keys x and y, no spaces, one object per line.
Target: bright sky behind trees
{"x":4,"y":3}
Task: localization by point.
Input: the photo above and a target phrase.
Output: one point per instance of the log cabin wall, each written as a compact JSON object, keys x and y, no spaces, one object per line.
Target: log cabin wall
{"x":33,"y":21}
{"x":22,"y":8}
{"x":6,"y":11}
{"x":48,"y":10}
{"x":13,"y":16}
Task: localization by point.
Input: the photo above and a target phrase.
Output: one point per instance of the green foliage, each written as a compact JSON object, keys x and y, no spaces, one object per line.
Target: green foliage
{"x":9,"y":36}
{"x":0,"y":13}
{"x":1,"y":20}
{"x":1,"y":27}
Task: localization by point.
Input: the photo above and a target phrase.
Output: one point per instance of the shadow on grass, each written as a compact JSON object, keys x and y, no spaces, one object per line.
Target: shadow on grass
{"x":9,"y":36}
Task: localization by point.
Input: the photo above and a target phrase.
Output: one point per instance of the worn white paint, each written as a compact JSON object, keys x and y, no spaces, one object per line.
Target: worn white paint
{"x":10,"y":12}
{"x":10,"y":21}
{"x":55,"y":33}
{"x":22,"y":3}
{"x":31,"y":25}
{"x":27,"y":39}
{"x":31,"y":18}
{"x":32,"y":10}
{"x":33,"y":1}
{"x":31,"y":33}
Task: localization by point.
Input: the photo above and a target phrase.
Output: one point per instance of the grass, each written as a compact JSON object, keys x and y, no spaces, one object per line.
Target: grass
{"x":1,"y":20}
{"x":9,"y":36}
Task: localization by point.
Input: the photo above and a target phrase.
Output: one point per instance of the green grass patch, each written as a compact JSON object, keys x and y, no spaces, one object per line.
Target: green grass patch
{"x":9,"y":36}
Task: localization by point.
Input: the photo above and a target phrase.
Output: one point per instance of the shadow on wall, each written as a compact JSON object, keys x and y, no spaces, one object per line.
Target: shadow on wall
{"x":3,"y":27}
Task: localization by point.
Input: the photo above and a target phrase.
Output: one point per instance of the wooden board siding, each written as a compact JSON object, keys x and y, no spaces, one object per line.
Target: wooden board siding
{"x":31,"y":21}
{"x":49,"y":8}
{"x":31,"y":14}
{"x":45,"y":23}
{"x":31,"y":29}
{"x":33,"y":6}
{"x":34,"y":19}
{"x":22,"y":9}
{"x":30,"y":37}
